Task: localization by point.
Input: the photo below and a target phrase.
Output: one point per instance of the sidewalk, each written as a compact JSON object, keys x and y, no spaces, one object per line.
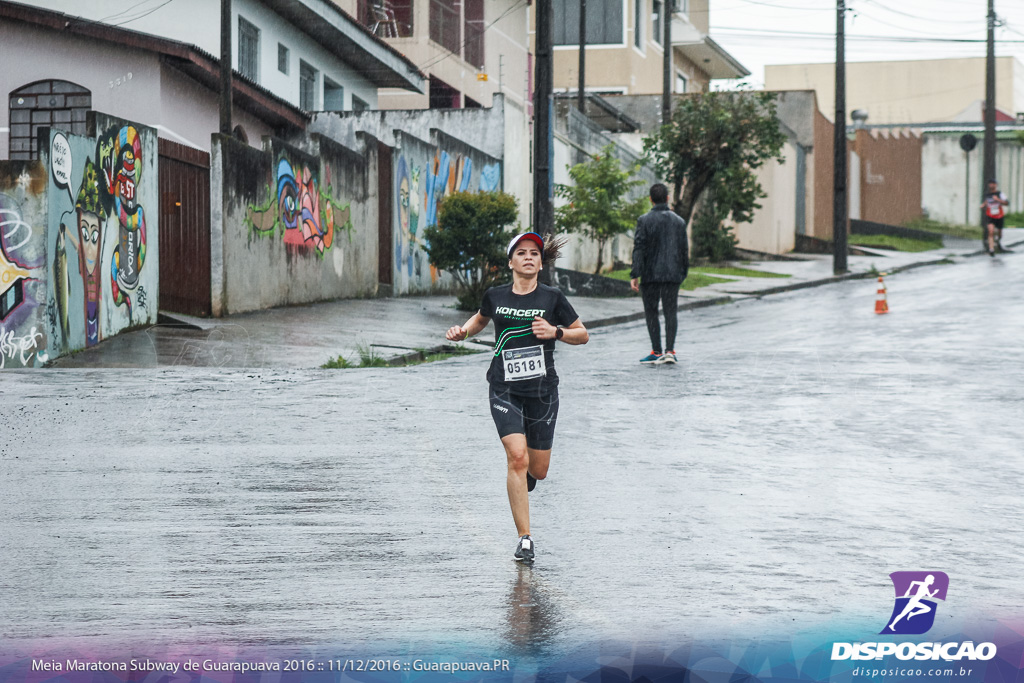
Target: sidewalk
{"x":310,"y":335}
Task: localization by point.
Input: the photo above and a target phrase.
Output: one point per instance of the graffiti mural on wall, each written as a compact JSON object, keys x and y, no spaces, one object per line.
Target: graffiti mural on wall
{"x":107,"y":188}
{"x":409,"y":254}
{"x":85,"y":236}
{"x":424,"y":175}
{"x":300,"y":208}
{"x":119,"y":155}
{"x":22,"y":273}
{"x":100,"y":238}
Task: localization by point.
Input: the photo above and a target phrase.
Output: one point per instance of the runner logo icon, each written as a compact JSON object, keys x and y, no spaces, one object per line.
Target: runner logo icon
{"x":916,"y":596}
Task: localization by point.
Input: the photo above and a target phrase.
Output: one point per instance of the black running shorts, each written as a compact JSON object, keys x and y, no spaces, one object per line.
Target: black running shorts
{"x":996,"y":222}
{"x":533,"y":416}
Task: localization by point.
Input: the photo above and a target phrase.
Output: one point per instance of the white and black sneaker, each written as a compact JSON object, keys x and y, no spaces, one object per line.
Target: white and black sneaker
{"x":524,"y":551}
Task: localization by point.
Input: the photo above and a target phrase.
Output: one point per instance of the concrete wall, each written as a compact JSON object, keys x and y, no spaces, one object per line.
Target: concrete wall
{"x":424,"y":173}
{"x":773,"y":229}
{"x":945,"y":169}
{"x":499,"y":132}
{"x":24,"y":337}
{"x":291,"y":225}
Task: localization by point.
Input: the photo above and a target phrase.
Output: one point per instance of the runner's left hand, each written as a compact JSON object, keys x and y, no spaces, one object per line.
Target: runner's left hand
{"x":542,"y":329}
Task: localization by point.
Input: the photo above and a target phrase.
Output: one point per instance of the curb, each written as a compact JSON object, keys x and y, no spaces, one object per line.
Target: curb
{"x":630,"y":317}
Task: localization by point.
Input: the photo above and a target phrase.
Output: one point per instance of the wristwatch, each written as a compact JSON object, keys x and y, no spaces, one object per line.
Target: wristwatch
{"x":559,"y":332}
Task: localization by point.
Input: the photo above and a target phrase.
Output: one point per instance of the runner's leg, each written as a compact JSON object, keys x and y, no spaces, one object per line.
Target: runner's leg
{"x":518,"y":459}
{"x":540,"y":460}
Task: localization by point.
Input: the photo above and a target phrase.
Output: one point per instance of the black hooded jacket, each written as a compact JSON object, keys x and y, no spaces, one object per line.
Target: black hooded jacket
{"x":660,"y":250}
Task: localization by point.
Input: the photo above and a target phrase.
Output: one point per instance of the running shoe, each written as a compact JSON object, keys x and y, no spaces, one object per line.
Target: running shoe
{"x":531,"y":482}
{"x":651,"y":359}
{"x":668,"y":359}
{"x":524,"y":551}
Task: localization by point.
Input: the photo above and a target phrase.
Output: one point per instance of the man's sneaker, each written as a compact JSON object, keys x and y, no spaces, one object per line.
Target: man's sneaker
{"x":531,"y":483}
{"x":668,"y":358}
{"x":651,"y":359}
{"x":524,"y":551}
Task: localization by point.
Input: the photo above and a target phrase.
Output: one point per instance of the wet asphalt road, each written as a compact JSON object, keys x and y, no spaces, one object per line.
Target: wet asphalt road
{"x":802,"y":450}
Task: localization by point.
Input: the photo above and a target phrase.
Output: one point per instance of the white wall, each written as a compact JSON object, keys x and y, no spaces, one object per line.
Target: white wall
{"x":197,"y":22}
{"x":944,"y":179}
{"x":773,"y":229}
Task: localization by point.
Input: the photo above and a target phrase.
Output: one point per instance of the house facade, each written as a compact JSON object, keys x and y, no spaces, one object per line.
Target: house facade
{"x":469,"y":49}
{"x":624,"y":47}
{"x":908,"y":92}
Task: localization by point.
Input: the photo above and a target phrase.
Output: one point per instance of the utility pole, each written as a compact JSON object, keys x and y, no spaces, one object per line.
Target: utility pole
{"x":989,"y":171}
{"x":666,"y":78}
{"x":543,"y":208}
{"x":580,"y":97}
{"x":840,"y":214}
{"x":225,"y":67}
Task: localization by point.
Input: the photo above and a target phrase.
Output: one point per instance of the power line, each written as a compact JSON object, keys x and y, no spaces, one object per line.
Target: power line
{"x":742,"y":31}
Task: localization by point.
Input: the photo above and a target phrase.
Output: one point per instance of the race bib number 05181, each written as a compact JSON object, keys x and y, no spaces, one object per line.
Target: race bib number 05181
{"x":523,"y":364}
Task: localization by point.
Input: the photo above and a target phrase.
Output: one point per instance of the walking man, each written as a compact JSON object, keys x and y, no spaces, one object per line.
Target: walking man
{"x":661,"y":258}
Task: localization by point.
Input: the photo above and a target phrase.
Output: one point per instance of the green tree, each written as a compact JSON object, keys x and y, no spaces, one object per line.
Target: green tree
{"x":597,"y":203}
{"x":715,"y":142}
{"x":470,"y":239}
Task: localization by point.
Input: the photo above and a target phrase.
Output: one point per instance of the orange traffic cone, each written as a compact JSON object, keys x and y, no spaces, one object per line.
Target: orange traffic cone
{"x":882,"y":304}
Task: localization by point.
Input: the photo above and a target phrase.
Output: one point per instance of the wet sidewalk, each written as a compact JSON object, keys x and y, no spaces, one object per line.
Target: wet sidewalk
{"x":307,"y":336}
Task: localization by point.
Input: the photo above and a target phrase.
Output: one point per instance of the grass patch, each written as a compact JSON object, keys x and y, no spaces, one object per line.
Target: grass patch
{"x":693,"y":281}
{"x":897,"y":243}
{"x":739,"y":272}
{"x":972,"y":232}
{"x":1013,"y":220}
{"x":368,"y":358}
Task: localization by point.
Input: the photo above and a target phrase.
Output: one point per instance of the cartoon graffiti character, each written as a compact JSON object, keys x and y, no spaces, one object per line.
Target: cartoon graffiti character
{"x":120,"y":158}
{"x":307,"y":215}
{"x":86,"y":239}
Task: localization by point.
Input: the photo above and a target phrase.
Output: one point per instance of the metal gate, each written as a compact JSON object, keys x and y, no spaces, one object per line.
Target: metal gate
{"x":184,"y":229}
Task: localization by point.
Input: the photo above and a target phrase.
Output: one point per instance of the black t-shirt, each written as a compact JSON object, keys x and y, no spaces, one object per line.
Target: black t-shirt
{"x":521,"y":362}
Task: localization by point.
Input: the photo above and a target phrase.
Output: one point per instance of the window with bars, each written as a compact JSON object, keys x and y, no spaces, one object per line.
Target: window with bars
{"x":45,"y":104}
{"x":248,"y":50}
{"x":604,"y":22}
{"x":638,"y":23}
{"x":307,"y":86}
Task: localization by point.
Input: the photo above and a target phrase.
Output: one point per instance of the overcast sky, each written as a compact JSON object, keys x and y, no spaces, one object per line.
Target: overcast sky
{"x":760,"y":32}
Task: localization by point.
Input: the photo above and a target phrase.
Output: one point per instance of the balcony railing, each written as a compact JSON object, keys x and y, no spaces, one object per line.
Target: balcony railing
{"x":386,"y":18}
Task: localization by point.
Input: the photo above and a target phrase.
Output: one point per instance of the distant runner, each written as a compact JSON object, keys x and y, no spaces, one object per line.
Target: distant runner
{"x":528,"y":318}
{"x":995,"y":210}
